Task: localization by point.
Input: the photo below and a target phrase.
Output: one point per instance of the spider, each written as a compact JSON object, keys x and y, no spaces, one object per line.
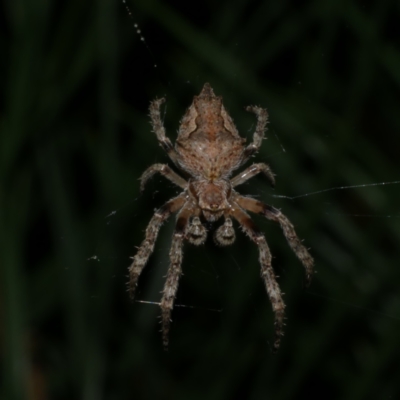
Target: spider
{"x":208,"y":149}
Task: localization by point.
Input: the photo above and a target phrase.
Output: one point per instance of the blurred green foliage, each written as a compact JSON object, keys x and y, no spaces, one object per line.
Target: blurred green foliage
{"x":76,"y":81}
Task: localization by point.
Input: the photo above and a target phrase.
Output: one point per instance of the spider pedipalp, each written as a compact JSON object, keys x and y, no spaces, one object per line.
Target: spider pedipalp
{"x":196,"y":233}
{"x":225,"y":234}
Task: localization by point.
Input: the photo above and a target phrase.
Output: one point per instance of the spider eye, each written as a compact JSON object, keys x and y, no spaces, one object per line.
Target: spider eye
{"x":196,"y":232}
{"x":225,"y":234}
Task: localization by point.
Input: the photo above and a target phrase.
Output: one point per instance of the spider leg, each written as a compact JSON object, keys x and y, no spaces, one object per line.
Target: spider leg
{"x":165,"y":170}
{"x":174,"y":272}
{"x":251,"y":171}
{"x":258,"y":136}
{"x":267,"y":273}
{"x":147,"y":246}
{"x":159,"y":130}
{"x":274,"y":214}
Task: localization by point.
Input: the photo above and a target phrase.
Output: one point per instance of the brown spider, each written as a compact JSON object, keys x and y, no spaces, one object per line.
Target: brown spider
{"x":208,"y":149}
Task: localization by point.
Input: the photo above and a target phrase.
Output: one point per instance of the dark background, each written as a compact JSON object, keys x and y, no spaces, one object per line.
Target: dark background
{"x":76,"y":80}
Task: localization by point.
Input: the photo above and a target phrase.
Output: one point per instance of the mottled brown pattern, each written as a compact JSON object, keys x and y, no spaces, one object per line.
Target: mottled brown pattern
{"x":209,"y":149}
{"x":208,"y":144}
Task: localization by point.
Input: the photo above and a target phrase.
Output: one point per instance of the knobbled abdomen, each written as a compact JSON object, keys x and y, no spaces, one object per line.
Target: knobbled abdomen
{"x":210,"y":159}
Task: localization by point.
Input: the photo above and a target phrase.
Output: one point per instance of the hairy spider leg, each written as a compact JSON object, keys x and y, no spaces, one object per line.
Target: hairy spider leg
{"x":164,"y":170}
{"x":147,"y":246}
{"x":274,"y":214}
{"x":159,"y":130}
{"x":174,"y":271}
{"x":252,"y":171}
{"x":267,"y":273}
{"x":258,"y":136}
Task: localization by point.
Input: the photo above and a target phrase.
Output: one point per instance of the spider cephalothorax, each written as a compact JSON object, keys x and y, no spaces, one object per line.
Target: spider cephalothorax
{"x":209,"y":149}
